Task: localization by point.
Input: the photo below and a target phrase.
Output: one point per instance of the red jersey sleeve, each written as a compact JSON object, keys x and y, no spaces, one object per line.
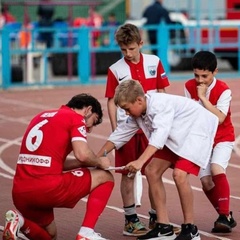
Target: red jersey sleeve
{"x":79,"y":129}
{"x":163,"y":79}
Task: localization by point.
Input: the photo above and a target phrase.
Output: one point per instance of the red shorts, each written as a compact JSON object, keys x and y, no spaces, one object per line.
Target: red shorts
{"x":177,"y":161}
{"x":131,"y":151}
{"x":37,"y":205}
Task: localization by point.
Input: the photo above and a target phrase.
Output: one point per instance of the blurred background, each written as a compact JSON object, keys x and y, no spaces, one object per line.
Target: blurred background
{"x":62,"y":42}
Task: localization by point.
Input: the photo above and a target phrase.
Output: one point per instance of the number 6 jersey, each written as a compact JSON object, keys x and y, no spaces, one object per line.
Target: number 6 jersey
{"x":47,"y":142}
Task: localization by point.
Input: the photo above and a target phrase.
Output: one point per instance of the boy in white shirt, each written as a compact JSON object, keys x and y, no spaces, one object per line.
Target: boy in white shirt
{"x":180,"y":134}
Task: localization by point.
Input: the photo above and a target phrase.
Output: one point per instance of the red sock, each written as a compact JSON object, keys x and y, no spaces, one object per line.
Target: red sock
{"x":223,"y":190}
{"x":97,"y":201}
{"x":212,"y":197}
{"x":33,"y":231}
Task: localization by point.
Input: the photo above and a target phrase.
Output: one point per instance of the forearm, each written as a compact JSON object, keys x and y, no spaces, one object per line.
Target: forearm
{"x":87,"y":157}
{"x":208,"y":105}
{"x":147,"y":154}
{"x":106,"y":148}
{"x":136,"y":165}
{"x":71,"y":163}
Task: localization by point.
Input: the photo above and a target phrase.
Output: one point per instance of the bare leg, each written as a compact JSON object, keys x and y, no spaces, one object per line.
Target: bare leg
{"x":154,"y":171}
{"x":127,"y":191}
{"x":181,"y":179}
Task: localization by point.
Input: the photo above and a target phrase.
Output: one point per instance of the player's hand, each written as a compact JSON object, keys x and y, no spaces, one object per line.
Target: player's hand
{"x":104,"y":162}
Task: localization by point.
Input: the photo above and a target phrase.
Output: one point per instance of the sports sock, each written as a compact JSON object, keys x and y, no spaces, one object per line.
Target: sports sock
{"x":152,"y":211}
{"x":33,"y":231}
{"x":212,"y":197}
{"x":223,"y":190}
{"x":96,"y":203}
{"x":85,"y":231}
{"x":130,"y":212}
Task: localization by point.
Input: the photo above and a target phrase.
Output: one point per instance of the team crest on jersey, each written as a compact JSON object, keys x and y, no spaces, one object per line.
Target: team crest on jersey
{"x":82,"y":130}
{"x":152,"y":70}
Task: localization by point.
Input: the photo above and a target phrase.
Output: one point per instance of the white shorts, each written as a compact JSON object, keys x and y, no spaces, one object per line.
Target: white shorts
{"x":221,"y":155}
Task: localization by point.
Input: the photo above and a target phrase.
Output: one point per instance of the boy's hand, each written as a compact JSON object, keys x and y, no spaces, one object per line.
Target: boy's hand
{"x":202,"y":90}
{"x":134,"y":166}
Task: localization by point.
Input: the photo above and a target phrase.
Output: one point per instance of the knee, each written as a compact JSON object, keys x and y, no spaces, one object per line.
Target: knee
{"x":106,"y":176}
{"x":147,"y":171}
{"x":54,"y":237}
{"x":151,"y":172}
{"x":179,"y":176}
{"x":207,"y":183}
{"x":127,"y":181}
{"x":99,"y":177}
{"x":52,"y":230}
{"x":110,"y":177}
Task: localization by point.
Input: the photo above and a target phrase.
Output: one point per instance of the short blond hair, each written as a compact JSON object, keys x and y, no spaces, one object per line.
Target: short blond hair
{"x":127,"y":92}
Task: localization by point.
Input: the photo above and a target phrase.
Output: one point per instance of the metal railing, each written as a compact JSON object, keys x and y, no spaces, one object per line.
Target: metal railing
{"x":86,"y":42}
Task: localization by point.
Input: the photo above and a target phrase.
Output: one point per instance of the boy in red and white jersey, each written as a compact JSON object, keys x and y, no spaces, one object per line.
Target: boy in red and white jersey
{"x":215,"y":96}
{"x":148,"y":70}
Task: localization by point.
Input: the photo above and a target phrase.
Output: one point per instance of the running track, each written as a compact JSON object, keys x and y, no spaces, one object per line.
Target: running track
{"x":17,"y":107}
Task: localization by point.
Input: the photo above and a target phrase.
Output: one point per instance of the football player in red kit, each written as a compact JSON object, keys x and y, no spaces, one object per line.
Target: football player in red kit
{"x":46,"y":178}
{"x":215,"y":96}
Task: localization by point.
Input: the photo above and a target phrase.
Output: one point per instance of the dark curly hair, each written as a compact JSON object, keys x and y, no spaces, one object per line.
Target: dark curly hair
{"x":204,"y":60}
{"x":85,"y":100}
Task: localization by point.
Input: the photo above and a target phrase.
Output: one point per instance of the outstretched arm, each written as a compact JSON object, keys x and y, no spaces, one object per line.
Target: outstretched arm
{"x":87,"y":157}
{"x":136,"y":165}
{"x":106,"y":148}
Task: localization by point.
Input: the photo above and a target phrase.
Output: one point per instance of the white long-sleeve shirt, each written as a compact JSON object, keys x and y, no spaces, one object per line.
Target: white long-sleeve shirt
{"x":180,"y":123}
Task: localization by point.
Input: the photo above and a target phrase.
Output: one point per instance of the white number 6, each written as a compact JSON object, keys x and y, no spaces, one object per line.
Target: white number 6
{"x":36,"y":133}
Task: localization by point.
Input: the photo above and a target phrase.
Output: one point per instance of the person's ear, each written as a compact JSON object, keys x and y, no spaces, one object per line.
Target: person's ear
{"x":215,"y":72}
{"x":139,"y":99}
{"x":87,"y":110}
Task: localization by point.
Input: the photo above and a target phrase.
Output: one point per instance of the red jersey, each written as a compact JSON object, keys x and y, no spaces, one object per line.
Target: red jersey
{"x":225,"y":131}
{"x":9,"y":18}
{"x":149,"y":72}
{"x":46,"y":144}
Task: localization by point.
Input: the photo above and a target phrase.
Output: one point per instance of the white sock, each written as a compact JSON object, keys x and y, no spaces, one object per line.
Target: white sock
{"x":130,"y":210}
{"x":153,"y":211}
{"x":85,"y":231}
{"x":20,"y":217}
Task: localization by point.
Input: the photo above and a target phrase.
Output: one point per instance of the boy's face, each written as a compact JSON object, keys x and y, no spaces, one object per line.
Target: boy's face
{"x":204,"y":77}
{"x":131,"y":52}
{"x":135,"y":109}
